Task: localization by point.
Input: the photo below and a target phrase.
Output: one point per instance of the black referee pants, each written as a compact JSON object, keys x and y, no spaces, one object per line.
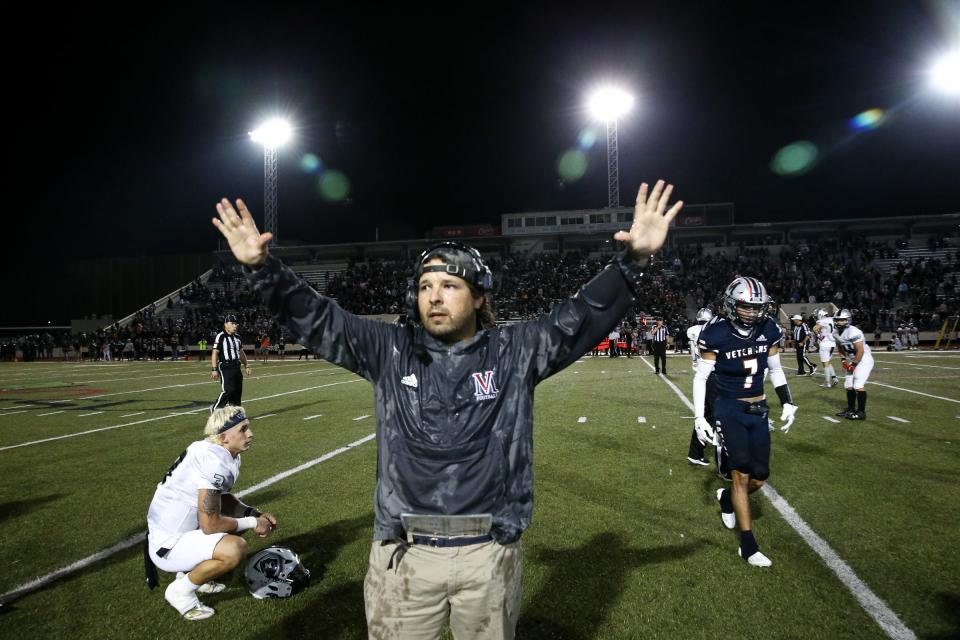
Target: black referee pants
{"x":659,"y":356}
{"x":802,"y":360}
{"x":231,"y":386}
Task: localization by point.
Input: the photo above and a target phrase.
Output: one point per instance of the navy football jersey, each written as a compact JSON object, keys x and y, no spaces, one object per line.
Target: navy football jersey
{"x":741,"y":361}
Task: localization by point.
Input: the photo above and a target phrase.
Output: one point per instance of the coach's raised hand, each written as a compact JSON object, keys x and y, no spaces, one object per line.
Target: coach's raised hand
{"x":651,"y":219}
{"x":249,"y":246}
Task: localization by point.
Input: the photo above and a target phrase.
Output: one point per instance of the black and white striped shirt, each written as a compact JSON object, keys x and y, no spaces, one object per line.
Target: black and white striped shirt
{"x":800,"y":332}
{"x":660,"y":335}
{"x":228,"y":348}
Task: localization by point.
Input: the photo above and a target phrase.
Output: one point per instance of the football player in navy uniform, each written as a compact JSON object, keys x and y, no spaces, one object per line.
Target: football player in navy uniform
{"x":740,"y":347}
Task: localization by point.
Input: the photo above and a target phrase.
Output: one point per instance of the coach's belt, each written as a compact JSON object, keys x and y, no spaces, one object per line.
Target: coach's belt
{"x":436,"y":541}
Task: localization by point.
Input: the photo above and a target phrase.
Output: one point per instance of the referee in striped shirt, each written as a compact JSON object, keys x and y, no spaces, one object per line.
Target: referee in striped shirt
{"x":801,"y":336}
{"x":659,"y":346}
{"x":225,"y":364}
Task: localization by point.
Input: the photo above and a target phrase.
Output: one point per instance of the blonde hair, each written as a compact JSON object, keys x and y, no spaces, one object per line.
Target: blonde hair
{"x":219,"y":418}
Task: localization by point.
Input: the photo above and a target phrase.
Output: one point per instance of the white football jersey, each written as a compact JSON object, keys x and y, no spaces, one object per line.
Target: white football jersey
{"x":173,"y":510}
{"x":851,"y":335}
{"x":693,"y":335}
{"x":825,"y":331}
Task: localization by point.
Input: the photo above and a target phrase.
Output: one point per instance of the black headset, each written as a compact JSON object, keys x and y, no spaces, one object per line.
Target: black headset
{"x":476,"y":273}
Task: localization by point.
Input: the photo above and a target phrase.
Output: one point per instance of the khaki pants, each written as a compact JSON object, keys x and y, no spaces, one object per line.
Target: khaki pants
{"x":480,"y":585}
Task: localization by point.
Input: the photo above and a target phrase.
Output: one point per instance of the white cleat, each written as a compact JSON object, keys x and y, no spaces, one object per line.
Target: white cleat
{"x":208,"y":587}
{"x":186,"y":602}
{"x":757,"y":559}
{"x":729,"y":519}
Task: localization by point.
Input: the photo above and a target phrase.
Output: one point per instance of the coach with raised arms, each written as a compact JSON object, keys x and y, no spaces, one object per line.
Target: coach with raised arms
{"x":454,"y":406}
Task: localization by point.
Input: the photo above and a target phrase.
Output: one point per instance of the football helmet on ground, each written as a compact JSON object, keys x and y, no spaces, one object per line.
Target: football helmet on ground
{"x":276,"y":572}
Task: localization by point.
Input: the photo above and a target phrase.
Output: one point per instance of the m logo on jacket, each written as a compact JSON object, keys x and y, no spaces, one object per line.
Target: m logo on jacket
{"x":484,"y":386}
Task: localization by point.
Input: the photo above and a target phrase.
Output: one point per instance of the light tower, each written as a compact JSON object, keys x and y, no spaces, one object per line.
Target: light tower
{"x":272,"y":134}
{"x":609,"y":104}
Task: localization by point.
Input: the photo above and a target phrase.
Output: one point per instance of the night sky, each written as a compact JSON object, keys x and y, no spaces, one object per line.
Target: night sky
{"x":127,"y":127}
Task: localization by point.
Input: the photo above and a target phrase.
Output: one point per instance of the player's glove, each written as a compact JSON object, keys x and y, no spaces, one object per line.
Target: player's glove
{"x":706,"y":434}
{"x":849,"y":365}
{"x":789,"y":412}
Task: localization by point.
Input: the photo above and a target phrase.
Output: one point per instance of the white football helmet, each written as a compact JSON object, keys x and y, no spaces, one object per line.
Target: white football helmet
{"x":276,"y":572}
{"x":822,"y":313}
{"x":843,"y":319}
{"x":704,"y":315}
{"x":745,"y":302}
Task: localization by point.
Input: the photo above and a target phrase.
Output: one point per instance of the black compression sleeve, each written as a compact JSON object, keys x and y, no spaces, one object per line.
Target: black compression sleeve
{"x":783,"y":392}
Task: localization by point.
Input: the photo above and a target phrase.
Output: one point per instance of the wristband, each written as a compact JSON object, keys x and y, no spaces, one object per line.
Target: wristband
{"x":246,"y":523}
{"x":212,"y":369}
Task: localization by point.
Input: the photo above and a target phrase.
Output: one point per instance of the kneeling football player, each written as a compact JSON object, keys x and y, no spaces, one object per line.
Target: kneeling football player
{"x":194,"y":521}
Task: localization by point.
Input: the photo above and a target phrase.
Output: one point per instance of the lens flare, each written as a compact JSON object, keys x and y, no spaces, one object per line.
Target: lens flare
{"x":794,"y":159}
{"x":333,"y":186}
{"x":572,"y":165}
{"x":310,"y":163}
{"x":869,"y":119}
{"x":587,"y":138}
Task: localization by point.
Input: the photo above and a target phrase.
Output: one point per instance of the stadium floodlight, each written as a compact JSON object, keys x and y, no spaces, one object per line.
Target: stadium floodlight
{"x":272,"y":134}
{"x":945,"y":73}
{"x":609,"y":104}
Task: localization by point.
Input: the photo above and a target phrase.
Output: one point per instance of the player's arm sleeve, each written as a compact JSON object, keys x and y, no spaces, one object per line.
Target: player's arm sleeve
{"x":779,"y":379}
{"x":704,"y":369}
{"x":559,"y":337}
{"x":320,"y":324}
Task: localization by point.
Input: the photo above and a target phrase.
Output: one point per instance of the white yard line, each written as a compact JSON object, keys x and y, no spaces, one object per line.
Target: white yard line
{"x":171,"y":415}
{"x":43,"y":581}
{"x":833,"y":420}
{"x":195,"y":384}
{"x":94,"y":413}
{"x":319,"y":415}
{"x":269,"y":415}
{"x":899,"y":419}
{"x":52,"y":413}
{"x":873,"y":605}
{"x":919,"y":393}
{"x":12,"y":413}
{"x":361,"y":418}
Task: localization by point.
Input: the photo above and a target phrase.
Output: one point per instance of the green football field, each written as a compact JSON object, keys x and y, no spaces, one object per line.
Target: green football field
{"x":861,"y":519}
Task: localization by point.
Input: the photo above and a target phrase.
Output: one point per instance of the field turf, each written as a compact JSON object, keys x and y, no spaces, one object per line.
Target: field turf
{"x":626,"y":540}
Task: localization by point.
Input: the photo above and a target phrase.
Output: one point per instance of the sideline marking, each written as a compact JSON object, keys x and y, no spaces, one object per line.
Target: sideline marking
{"x":919,"y":393}
{"x":52,"y":413}
{"x":13,"y":413}
{"x":899,"y":419}
{"x":266,"y":416}
{"x":84,"y":415}
{"x":833,"y":420}
{"x":42,"y":581}
{"x":319,"y":415}
{"x":882,"y":614}
{"x":361,"y":418}
{"x":170,"y":415}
